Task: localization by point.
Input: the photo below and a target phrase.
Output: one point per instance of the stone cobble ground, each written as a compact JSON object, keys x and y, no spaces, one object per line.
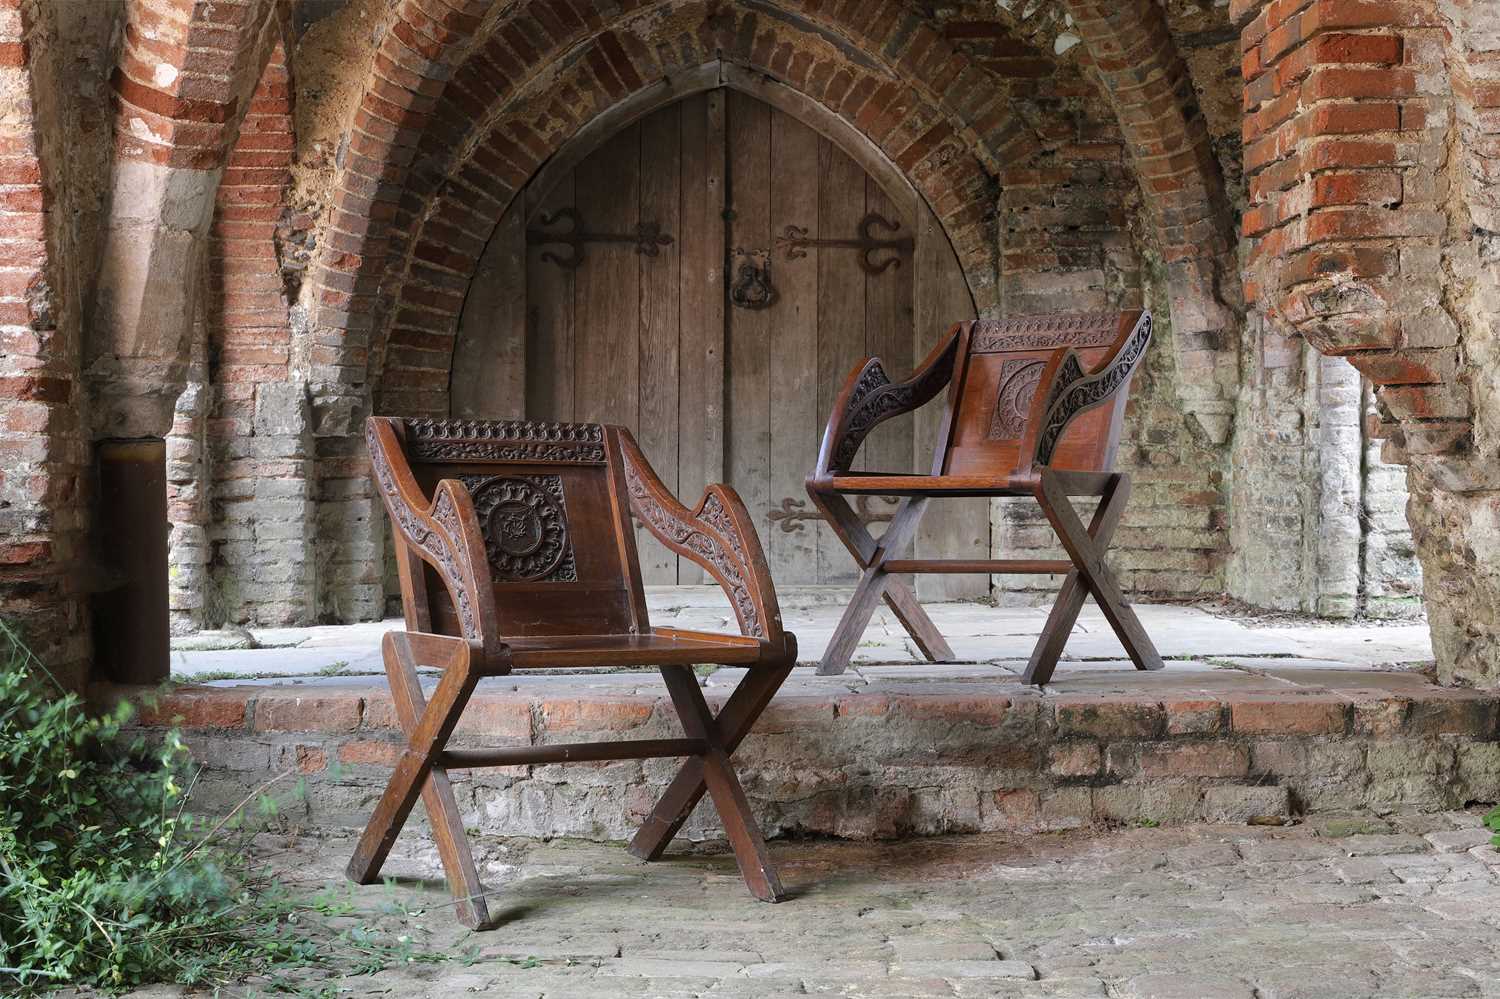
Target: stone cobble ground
{"x":1341,"y":907}
{"x":991,"y":638}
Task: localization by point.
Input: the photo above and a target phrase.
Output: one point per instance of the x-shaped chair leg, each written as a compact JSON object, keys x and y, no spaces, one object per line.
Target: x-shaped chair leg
{"x":1086,"y":547}
{"x":724,"y":786}
{"x":428,"y":727}
{"x":875,"y":583}
{"x":729,"y":729}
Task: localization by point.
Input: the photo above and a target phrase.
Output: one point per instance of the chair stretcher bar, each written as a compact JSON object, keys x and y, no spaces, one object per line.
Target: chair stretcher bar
{"x":935,"y":565}
{"x":573,"y":752}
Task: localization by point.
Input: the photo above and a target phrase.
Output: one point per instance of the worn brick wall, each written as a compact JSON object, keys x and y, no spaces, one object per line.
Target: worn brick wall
{"x":43,"y":450}
{"x":260,"y":443}
{"x":1080,"y":154}
{"x":1369,"y":143}
{"x":240,"y":452}
{"x":948,"y":762}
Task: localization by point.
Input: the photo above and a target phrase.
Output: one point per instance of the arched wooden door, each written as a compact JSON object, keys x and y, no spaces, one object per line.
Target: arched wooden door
{"x":707,"y":277}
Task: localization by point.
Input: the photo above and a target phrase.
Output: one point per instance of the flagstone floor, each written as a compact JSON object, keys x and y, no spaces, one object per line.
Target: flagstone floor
{"x":993,"y":642}
{"x":1338,"y":908}
{"x":1404,"y":906}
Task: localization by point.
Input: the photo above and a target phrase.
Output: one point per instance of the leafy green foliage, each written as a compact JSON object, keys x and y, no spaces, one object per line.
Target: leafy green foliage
{"x":1492,"y":823}
{"x":107,"y":880}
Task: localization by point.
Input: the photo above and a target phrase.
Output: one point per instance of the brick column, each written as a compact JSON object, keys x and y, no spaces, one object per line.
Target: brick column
{"x":186,"y":69}
{"x":43,"y":457}
{"x":1370,"y":137}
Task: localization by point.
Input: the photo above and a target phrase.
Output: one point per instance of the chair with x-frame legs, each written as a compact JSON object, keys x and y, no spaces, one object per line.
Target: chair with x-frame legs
{"x":515,"y":551}
{"x":1034,"y":407}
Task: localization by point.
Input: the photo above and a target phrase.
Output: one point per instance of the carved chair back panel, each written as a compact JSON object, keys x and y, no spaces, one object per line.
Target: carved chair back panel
{"x":1002,"y":367}
{"x":544,"y":496}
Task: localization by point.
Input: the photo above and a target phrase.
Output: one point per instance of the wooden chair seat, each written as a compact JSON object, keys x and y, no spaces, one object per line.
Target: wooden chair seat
{"x":1034,"y":408}
{"x":663,"y":647}
{"x":516,"y":550}
{"x":882,"y":484}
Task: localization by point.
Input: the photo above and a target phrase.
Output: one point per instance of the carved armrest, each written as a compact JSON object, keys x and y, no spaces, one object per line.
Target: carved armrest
{"x":443,"y":532}
{"x":1066,"y":391}
{"x":718,"y":534}
{"x":869,"y":398}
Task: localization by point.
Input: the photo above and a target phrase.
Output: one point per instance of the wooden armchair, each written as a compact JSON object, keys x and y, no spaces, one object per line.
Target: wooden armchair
{"x":1034,"y":409}
{"x":516,"y":551}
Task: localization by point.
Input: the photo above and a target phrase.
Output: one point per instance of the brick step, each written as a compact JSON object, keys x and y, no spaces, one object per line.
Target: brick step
{"x":890,"y":750}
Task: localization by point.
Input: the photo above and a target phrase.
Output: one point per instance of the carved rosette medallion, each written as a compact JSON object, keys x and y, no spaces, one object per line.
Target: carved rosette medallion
{"x":1019,"y":378}
{"x":525,"y":527}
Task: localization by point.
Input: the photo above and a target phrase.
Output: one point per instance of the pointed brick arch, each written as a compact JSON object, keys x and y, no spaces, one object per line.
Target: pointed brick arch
{"x":460,"y":111}
{"x":1152,"y":93}
{"x":439,"y":236}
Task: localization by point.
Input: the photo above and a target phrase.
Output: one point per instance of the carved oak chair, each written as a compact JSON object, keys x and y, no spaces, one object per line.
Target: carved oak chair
{"x":1034,"y":407}
{"x":516,"y":551}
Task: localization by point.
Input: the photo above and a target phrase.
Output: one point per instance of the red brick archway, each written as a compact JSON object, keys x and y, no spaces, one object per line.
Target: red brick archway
{"x":460,"y":111}
{"x":432,"y":272}
{"x":1154,"y":101}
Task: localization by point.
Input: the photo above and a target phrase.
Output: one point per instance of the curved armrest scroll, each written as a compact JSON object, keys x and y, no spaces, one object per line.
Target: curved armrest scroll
{"x":718,"y":534}
{"x":444,"y":532}
{"x":870,"y":398}
{"x":1066,"y":391}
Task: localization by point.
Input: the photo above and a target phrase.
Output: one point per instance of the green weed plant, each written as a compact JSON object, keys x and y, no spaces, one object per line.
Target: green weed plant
{"x":108,"y":881}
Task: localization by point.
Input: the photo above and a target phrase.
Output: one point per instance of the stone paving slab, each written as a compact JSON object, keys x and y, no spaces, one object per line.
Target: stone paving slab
{"x":1200,"y":912}
{"x":979,"y":634}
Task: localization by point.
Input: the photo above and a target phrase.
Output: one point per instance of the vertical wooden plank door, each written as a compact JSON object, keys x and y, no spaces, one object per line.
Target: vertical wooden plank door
{"x":717,"y":386}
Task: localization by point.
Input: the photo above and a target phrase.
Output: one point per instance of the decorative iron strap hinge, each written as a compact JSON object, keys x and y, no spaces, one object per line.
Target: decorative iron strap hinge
{"x":790,"y":520}
{"x":796,"y":241}
{"x":648,"y":238}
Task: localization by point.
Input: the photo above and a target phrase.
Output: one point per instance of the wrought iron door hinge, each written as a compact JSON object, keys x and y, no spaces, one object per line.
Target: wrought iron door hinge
{"x":794,"y":238}
{"x":647,"y":237}
{"x":791,"y":520}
